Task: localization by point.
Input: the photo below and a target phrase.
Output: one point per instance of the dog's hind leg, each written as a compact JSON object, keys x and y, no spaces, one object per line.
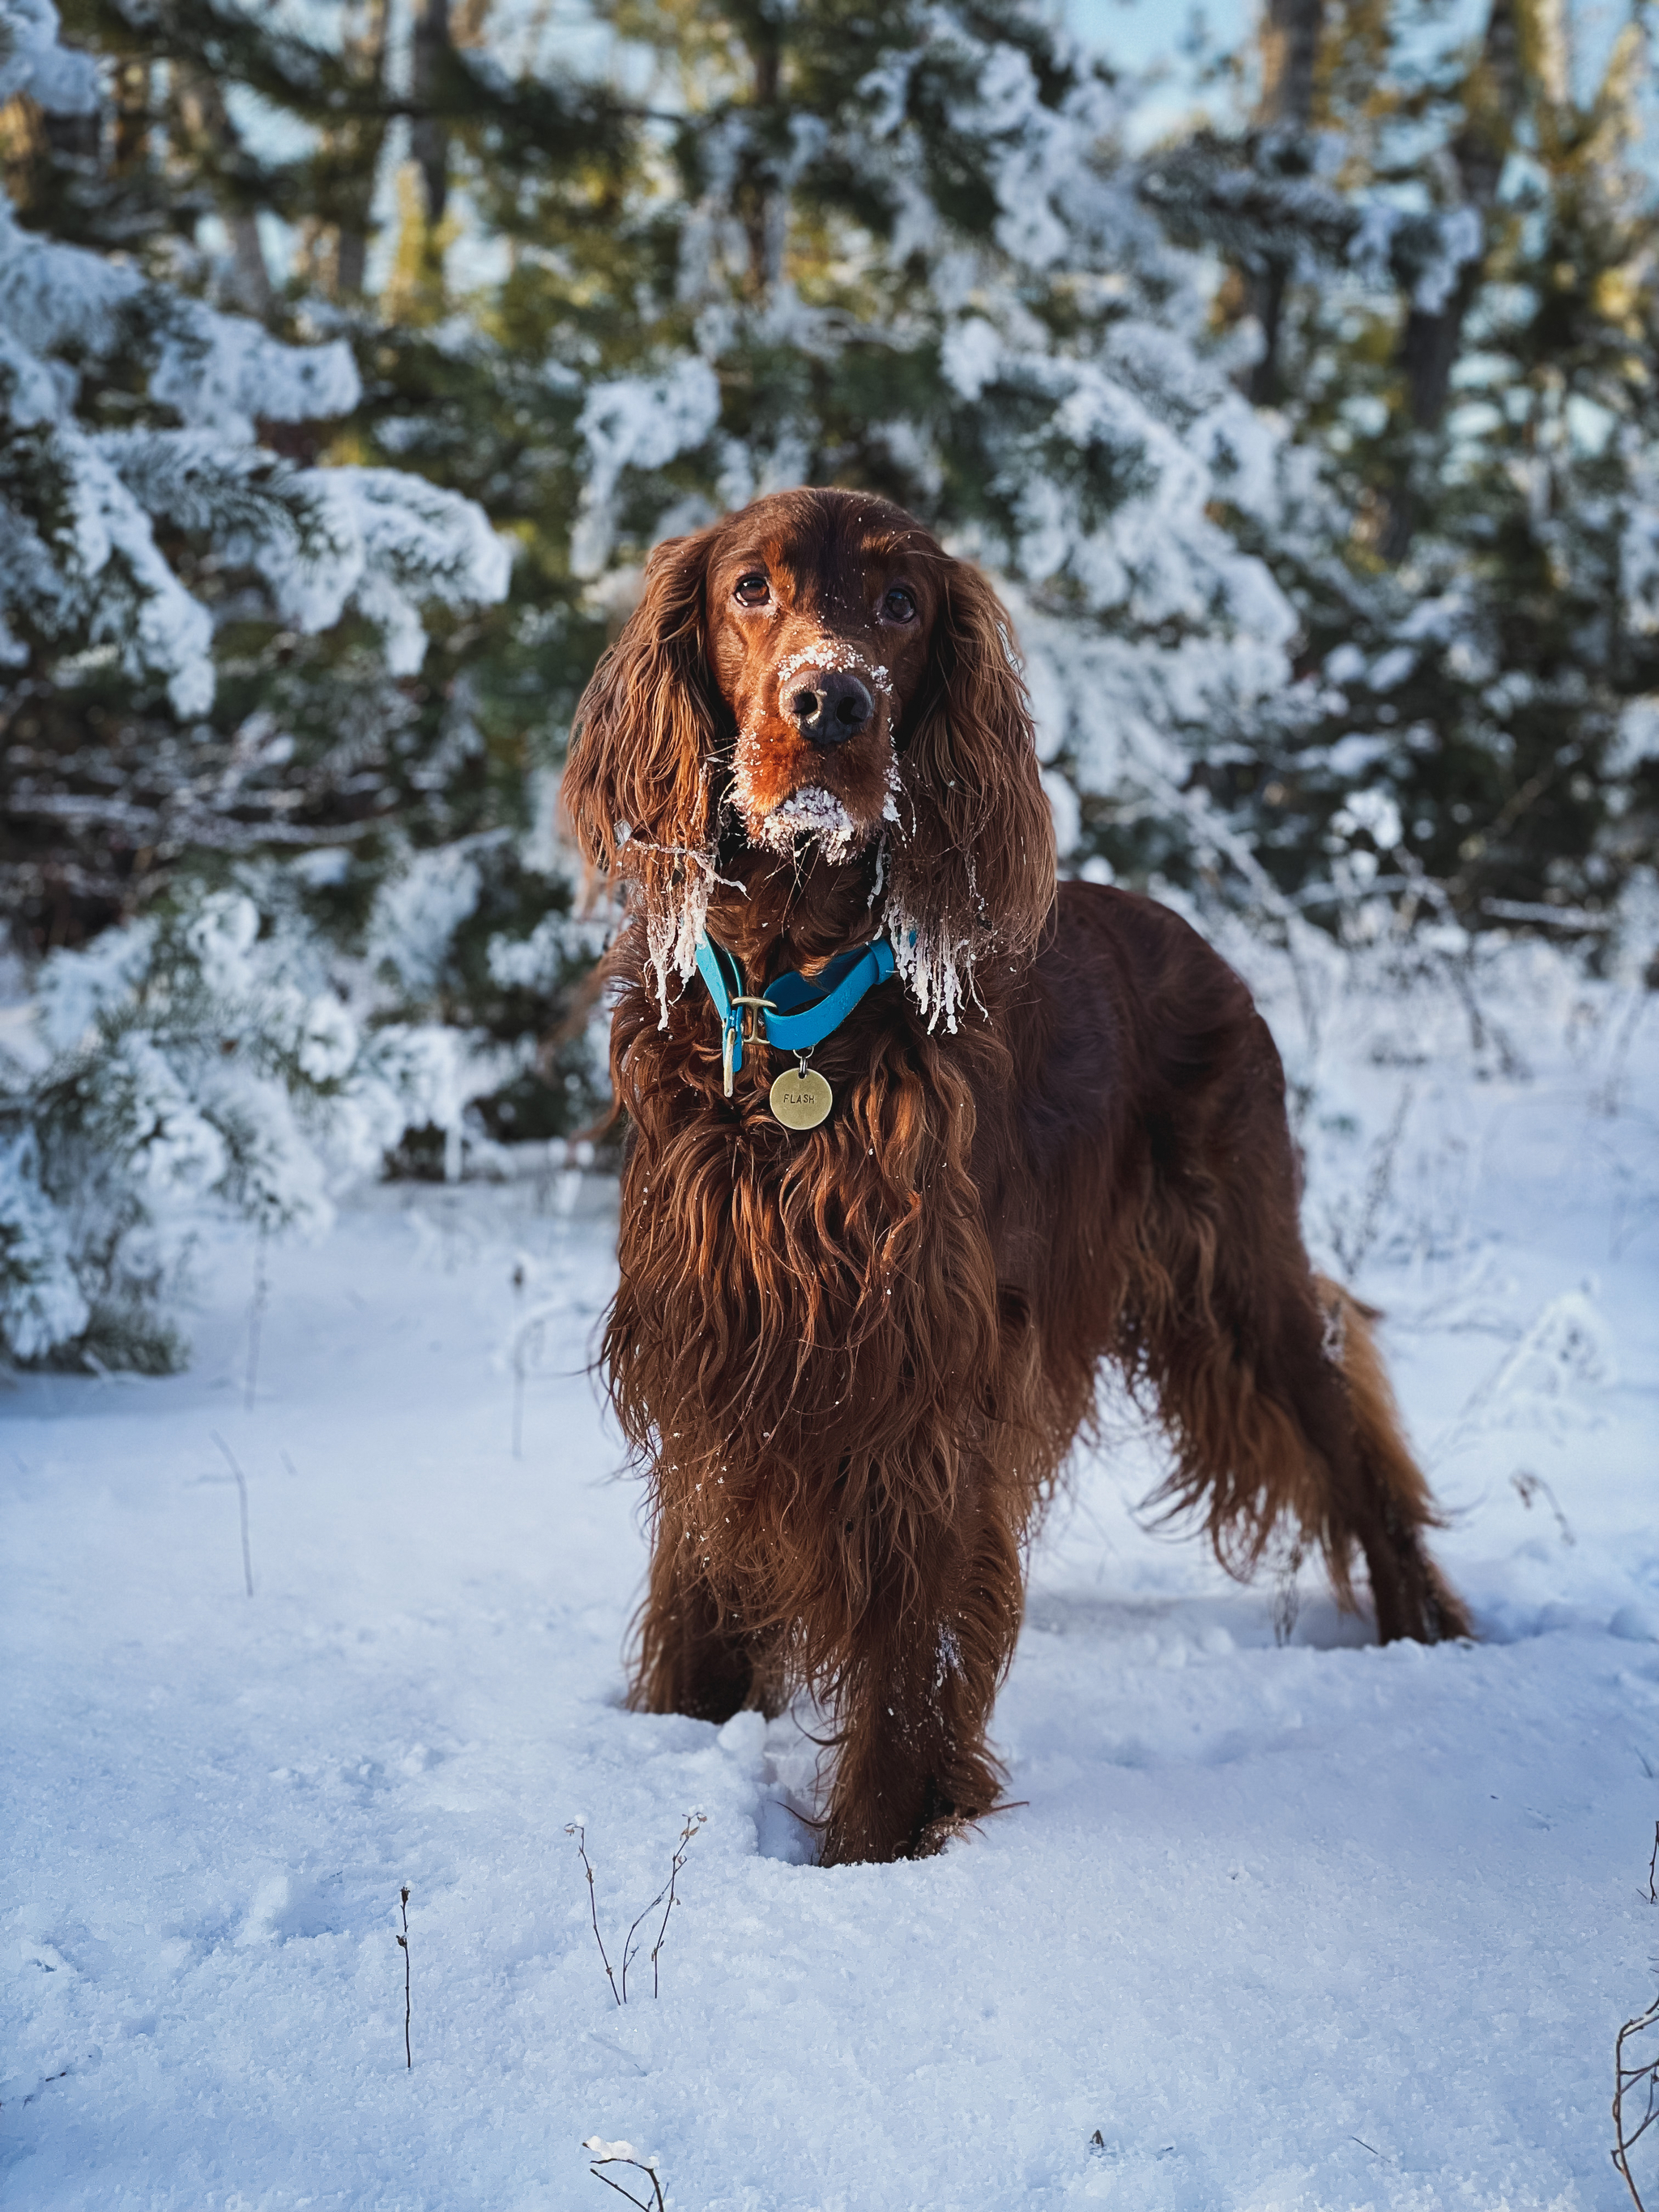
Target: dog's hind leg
{"x":1291,"y":1418}
{"x":1269,"y":1384}
{"x":1412,"y":1596}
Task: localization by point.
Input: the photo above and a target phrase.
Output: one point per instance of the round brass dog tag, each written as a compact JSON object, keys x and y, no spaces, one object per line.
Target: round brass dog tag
{"x":801,"y":1099}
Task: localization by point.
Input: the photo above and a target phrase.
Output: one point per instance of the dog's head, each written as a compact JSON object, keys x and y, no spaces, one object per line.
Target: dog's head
{"x":815,"y":678}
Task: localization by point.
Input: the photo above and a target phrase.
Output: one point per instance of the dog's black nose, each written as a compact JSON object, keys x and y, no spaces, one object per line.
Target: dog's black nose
{"x":829,"y":706}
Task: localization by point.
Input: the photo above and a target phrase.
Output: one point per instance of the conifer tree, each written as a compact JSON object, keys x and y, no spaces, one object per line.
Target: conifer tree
{"x":1476,"y":730}
{"x":379,"y":773}
{"x":902,"y":250}
{"x":148,"y":535}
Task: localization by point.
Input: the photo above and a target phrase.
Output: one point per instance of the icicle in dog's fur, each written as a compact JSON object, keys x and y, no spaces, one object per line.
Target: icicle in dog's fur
{"x":935,"y":966}
{"x":676,"y":911}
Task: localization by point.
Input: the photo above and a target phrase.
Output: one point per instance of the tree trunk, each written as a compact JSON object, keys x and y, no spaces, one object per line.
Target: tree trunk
{"x":1289,"y":52}
{"x":430,"y":135}
{"x":1492,"y":100}
{"x":202,"y":110}
{"x":365,"y":47}
{"x":131,"y":146}
{"x":756,"y":192}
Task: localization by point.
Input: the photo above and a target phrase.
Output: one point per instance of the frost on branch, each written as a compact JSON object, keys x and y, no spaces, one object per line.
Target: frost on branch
{"x":33,"y":64}
{"x":192,"y":1066}
{"x":41,"y":1302}
{"x":81,"y":567}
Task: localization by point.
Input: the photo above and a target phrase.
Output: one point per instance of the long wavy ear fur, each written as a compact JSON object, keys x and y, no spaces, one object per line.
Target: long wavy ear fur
{"x":636,"y":789}
{"x":972,"y":858}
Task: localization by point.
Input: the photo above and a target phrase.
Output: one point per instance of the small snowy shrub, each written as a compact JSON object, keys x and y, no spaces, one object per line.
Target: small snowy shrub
{"x":192,"y":1062}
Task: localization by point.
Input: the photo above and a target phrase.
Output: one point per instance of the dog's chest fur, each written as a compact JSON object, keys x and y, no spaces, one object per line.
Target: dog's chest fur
{"x":805,"y":1344}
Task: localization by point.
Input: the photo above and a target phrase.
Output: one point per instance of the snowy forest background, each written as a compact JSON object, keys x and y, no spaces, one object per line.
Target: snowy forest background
{"x":353,"y":356}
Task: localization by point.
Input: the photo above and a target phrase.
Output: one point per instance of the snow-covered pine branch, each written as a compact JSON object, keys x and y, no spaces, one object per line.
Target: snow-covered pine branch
{"x":187,"y":1066}
{"x":79,"y":505}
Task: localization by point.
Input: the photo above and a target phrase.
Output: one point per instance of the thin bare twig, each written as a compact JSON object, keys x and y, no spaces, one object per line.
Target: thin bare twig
{"x":606,"y":2154}
{"x":1528,"y":1487}
{"x":518,"y":1364}
{"x":692,"y":1822}
{"x":1605,"y":1101}
{"x":1353,"y":1247}
{"x":1625,"y":2079}
{"x":576,"y":1829}
{"x":529,"y":1341}
{"x":241,"y":1499}
{"x":403,"y":1945}
{"x":1287,"y":1595}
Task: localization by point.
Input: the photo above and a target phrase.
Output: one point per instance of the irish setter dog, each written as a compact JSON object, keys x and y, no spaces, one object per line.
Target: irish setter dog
{"x":853,"y":1359}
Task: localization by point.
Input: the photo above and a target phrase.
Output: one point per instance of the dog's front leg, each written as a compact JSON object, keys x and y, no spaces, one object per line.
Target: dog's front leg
{"x":915,"y":1701}
{"x":696,"y":1655}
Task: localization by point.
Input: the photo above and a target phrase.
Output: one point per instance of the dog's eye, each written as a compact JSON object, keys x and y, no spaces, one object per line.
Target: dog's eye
{"x":752,"y":590}
{"x":900,"y":604}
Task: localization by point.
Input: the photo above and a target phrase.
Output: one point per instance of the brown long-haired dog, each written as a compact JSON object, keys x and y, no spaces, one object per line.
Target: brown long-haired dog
{"x":853,"y":1359}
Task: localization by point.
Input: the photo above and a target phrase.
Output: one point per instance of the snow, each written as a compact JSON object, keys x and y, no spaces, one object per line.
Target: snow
{"x":31,"y":62}
{"x":190,"y":1063}
{"x":636,"y":422}
{"x":811,"y":812}
{"x":42,"y":1299}
{"x":1319,"y":1925}
{"x":417,"y":913}
{"x":217,"y":371}
{"x":79,"y":560}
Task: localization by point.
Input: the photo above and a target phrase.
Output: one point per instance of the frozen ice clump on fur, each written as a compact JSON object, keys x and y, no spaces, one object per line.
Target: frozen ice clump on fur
{"x":811,"y":812}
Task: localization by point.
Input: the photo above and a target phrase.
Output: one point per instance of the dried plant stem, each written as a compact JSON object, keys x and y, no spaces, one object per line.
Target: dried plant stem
{"x":575,"y":1828}
{"x":1528,"y":1486}
{"x":1625,"y":2080}
{"x":1351,"y":1241}
{"x":692,"y":1822}
{"x":518,"y":1365}
{"x":241,"y":1499}
{"x":1287,"y":1595}
{"x":640,"y":2167}
{"x":403,"y":1945}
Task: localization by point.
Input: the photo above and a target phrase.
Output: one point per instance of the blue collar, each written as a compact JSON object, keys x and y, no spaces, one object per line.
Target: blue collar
{"x":795,"y":1012}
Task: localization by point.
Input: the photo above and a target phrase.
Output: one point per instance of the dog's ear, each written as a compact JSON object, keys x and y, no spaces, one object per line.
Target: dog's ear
{"x":636,"y":785}
{"x":972,"y":856}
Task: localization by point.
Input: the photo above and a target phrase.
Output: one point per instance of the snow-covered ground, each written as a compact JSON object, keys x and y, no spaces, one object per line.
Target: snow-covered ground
{"x":1302,"y":1925}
